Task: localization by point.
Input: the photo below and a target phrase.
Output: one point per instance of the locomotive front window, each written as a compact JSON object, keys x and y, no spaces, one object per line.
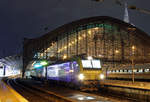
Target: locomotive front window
{"x":91,"y":64}
{"x":86,"y":64}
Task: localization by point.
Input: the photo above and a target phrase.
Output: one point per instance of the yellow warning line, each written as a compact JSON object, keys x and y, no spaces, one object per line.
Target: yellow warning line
{"x":16,"y":94}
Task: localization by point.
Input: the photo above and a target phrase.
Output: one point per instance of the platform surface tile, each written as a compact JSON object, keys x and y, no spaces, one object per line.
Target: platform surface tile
{"x":7,"y":94}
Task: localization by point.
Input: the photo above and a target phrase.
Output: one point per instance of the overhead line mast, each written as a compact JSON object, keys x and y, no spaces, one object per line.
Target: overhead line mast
{"x":126,"y":14}
{"x":132,"y":7}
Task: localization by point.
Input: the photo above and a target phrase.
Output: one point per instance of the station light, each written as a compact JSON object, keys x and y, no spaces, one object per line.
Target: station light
{"x":133,"y":47}
{"x":80,"y":98}
{"x":65,"y":56}
{"x":90,"y":98}
{"x":96,"y":28}
{"x":101,"y":55}
{"x":102,"y":76}
{"x":40,"y":64}
{"x":84,"y":35}
{"x":65,"y":47}
{"x":72,"y":42}
{"x":75,"y":41}
{"x":89,"y":32}
{"x":116,"y":51}
{"x":37,"y":65}
{"x":89,"y":58}
{"x":81,"y":76}
{"x":69,"y":44}
{"x":44,"y":63}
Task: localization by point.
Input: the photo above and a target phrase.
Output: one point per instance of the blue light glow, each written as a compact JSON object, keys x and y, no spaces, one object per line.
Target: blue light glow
{"x":37,"y":65}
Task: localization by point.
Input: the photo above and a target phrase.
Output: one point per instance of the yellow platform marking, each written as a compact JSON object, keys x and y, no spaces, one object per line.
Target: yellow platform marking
{"x":7,"y":94}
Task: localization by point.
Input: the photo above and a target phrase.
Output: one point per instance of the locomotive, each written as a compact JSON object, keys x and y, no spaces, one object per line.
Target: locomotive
{"x":79,"y":73}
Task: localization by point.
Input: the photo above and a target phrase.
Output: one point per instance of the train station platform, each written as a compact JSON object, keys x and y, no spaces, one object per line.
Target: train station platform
{"x":7,"y":94}
{"x":127,"y":84}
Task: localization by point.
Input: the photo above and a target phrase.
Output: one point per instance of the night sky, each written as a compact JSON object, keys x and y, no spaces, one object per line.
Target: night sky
{"x":28,"y":18}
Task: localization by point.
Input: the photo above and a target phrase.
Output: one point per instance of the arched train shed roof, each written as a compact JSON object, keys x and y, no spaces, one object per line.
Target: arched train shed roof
{"x":73,"y":25}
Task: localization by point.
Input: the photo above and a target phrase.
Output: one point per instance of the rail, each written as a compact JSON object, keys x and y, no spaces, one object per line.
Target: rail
{"x":39,"y":92}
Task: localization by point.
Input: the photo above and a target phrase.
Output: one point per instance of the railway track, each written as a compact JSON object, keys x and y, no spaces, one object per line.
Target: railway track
{"x":33,"y":94}
{"x":116,"y":96}
{"x":30,"y":94}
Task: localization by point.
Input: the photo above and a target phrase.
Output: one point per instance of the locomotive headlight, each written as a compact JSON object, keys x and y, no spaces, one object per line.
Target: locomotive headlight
{"x":102,"y":76}
{"x":81,"y":76}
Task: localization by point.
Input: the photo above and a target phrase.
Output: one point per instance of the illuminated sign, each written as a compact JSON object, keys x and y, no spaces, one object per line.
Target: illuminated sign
{"x":37,"y":65}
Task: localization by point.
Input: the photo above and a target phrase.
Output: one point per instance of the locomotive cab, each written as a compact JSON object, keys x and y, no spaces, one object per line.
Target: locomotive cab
{"x":90,"y":73}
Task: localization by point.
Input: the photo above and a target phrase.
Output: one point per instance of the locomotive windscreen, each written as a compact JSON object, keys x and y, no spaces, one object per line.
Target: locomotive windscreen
{"x":91,"y":64}
{"x":96,"y":64}
{"x":86,"y":64}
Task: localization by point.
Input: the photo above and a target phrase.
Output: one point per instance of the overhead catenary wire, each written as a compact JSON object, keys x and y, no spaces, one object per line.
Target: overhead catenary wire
{"x":131,"y":7}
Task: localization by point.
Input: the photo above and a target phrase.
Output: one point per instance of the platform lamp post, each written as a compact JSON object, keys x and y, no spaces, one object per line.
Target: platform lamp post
{"x":132,"y":59}
{"x":132,"y":30}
